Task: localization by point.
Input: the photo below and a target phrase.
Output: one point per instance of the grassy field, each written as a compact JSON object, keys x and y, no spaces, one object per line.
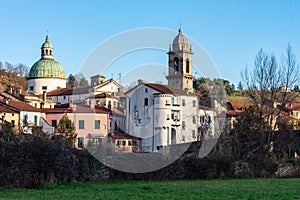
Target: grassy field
{"x":179,"y":189}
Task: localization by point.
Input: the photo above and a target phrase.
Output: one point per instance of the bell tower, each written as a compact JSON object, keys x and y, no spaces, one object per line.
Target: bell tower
{"x":180,"y":63}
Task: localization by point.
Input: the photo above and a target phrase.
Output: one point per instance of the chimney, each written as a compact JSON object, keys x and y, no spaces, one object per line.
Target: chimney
{"x":140,"y":81}
{"x":6,"y":101}
{"x":92,"y":104}
{"x":186,"y":90}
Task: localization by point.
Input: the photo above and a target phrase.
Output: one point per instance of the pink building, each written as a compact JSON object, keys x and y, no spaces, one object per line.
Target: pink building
{"x":92,"y":125}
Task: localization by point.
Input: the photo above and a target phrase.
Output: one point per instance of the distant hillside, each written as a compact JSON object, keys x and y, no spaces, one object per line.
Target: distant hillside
{"x":10,"y":79}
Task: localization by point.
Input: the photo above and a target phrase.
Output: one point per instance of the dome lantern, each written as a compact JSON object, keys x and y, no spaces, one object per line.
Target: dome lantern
{"x":47,"y":49}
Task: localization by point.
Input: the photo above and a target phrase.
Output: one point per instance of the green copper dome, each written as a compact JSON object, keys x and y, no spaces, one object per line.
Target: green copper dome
{"x":47,"y":68}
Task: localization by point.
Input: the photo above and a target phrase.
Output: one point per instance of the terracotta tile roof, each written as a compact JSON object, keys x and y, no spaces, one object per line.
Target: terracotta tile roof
{"x":78,"y":109}
{"x":22,"y":106}
{"x":166,"y":89}
{"x":4,"y":109}
{"x":236,"y":105}
{"x":201,"y":107}
{"x":117,"y":111}
{"x":82,"y":109}
{"x":105,"y":95}
{"x":293,"y":106}
{"x":124,"y":136}
{"x":25,"y":93}
{"x":233,"y":113}
{"x":273,"y":111}
{"x":56,"y":110}
{"x":69,"y":91}
{"x":55,"y":92}
{"x":101,"y":109}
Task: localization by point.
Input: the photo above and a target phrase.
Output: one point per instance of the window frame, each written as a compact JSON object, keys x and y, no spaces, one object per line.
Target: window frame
{"x":146,"y":102}
{"x":80,"y":124}
{"x":97,"y":124}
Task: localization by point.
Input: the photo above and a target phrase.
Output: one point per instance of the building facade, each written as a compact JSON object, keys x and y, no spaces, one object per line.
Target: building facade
{"x":163,"y":115}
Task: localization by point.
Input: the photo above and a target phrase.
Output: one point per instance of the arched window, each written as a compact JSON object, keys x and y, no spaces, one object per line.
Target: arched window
{"x":46,"y":51}
{"x":187,"y":67}
{"x":176,"y":64}
{"x":50,"y":52}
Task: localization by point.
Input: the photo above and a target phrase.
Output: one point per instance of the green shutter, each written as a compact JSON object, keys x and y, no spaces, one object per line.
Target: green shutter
{"x":81,"y":124}
{"x":97,"y":124}
{"x":35,"y":120}
{"x":80,"y":142}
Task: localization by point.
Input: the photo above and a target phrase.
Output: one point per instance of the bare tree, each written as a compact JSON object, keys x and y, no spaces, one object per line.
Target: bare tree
{"x":268,"y":85}
{"x":21,"y":70}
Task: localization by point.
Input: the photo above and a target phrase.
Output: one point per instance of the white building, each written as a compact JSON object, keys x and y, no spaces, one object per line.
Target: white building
{"x":85,"y":94}
{"x":29,"y":117}
{"x":163,"y":115}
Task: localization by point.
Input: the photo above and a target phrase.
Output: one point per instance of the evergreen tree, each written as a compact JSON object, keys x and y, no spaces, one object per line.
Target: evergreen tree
{"x":240,"y":85}
{"x":67,"y":130}
{"x":71,"y":80}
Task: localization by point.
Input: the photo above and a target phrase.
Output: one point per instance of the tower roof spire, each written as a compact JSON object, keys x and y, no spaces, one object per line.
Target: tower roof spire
{"x":180,"y":30}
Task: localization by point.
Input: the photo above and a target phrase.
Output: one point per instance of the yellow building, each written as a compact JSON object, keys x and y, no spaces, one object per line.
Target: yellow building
{"x":10,"y":116}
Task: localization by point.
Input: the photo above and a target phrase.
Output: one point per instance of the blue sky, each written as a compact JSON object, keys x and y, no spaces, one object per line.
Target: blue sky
{"x":231,"y":32}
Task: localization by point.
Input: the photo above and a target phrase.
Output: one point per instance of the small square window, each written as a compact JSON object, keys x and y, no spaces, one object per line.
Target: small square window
{"x":31,"y":88}
{"x":134,"y":143}
{"x":123,"y":143}
{"x":44,"y":87}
